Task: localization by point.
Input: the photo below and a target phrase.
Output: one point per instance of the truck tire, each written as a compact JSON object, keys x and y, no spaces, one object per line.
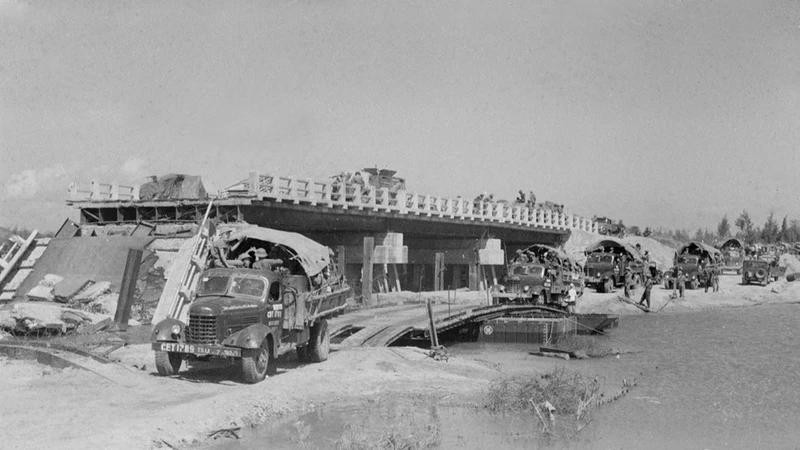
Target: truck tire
{"x":258,"y":364}
{"x":168,"y":363}
{"x":320,"y":344}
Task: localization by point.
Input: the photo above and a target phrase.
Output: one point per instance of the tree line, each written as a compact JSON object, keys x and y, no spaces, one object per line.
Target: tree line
{"x":742,"y":228}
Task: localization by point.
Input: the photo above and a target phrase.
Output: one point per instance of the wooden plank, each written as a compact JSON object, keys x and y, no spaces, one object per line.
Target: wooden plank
{"x":128,"y":288}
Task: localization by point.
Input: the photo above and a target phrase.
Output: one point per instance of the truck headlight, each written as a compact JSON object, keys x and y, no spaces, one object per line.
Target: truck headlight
{"x":176,"y":330}
{"x":526,"y":288}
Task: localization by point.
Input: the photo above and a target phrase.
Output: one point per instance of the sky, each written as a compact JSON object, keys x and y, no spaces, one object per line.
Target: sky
{"x":660,"y":113}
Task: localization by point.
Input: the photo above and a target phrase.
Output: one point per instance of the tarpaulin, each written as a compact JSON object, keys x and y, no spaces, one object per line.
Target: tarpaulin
{"x":173,"y":186}
{"x":313,"y":256}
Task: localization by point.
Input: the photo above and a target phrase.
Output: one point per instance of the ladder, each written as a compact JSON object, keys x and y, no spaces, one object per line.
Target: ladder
{"x":184,"y":275}
{"x":12,"y":262}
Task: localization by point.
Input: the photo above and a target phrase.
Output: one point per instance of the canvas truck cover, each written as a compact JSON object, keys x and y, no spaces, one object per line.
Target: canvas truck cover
{"x":311,"y":255}
{"x":699,"y":247}
{"x":540,"y":249}
{"x":610,"y":242}
{"x":173,"y":186}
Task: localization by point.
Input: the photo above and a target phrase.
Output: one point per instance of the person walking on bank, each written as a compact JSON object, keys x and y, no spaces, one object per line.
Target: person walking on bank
{"x":648,"y":286}
{"x":627,"y":281}
{"x":681,"y":282}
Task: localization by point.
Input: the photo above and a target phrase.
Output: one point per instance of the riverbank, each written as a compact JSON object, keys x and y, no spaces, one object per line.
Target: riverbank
{"x":126,"y":405}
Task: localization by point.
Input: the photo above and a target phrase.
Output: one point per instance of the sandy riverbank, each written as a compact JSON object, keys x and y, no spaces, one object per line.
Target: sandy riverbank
{"x":125,"y":405}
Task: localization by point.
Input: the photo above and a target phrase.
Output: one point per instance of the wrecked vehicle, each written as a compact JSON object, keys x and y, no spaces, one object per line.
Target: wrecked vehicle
{"x":756,"y":271}
{"x":254,"y":314}
{"x":694,"y":259}
{"x":606,"y":261}
{"x":540,"y":274}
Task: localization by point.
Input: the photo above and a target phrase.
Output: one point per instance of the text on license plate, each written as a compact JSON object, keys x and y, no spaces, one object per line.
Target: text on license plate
{"x":199,"y":349}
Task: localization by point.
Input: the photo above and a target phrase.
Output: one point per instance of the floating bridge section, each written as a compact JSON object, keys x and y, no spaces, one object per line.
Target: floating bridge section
{"x":341,"y":215}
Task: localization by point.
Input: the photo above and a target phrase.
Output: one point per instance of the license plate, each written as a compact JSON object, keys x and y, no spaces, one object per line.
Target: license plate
{"x":197,"y":349}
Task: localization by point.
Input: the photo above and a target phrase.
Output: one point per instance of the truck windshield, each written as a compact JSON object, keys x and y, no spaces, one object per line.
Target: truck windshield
{"x":213,"y":285}
{"x":253,"y":287}
{"x":688,"y":259}
{"x":601,"y":258}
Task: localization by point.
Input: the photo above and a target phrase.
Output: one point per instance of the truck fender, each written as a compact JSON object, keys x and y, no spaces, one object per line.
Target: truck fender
{"x":250,"y":338}
{"x":163,"y":330}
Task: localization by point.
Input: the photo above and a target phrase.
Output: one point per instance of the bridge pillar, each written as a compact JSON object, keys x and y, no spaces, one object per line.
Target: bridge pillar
{"x":474,"y":279}
{"x":366,"y":270}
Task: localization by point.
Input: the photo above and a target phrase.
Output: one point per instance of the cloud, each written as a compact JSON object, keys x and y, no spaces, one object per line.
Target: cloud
{"x":12,"y":8}
{"x":29,"y":182}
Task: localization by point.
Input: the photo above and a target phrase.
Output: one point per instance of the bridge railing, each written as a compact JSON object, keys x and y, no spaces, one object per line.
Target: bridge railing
{"x":96,"y":191}
{"x":332,"y":193}
{"x":364,"y":196}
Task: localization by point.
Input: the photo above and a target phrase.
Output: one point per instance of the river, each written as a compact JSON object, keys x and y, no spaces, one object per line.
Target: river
{"x":725,"y":378}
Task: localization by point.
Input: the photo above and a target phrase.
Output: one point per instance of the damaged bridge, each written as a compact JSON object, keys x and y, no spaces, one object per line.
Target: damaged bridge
{"x":341,"y":217}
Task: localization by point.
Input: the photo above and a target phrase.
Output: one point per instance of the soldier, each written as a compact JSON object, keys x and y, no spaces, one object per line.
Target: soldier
{"x":628,"y":280}
{"x":708,"y":278}
{"x":648,"y":286}
{"x":681,"y":282}
{"x":715,"y":280}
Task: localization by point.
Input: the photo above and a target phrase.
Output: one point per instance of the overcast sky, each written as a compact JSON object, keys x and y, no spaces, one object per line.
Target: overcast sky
{"x":662,"y":113}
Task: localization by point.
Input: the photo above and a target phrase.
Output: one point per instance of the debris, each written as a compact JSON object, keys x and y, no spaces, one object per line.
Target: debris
{"x":92,"y":292}
{"x":45,"y":290}
{"x":232,"y":432}
{"x":564,"y":356}
{"x":69,"y":287}
{"x":439,"y":353}
{"x":36,"y":317}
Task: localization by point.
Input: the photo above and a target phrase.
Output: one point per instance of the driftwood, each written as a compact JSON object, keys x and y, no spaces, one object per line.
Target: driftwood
{"x":232,"y":432}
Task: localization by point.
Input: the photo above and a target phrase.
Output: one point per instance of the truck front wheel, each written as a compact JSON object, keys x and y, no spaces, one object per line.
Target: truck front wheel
{"x":320,"y":344}
{"x":168,"y":363}
{"x":258,"y":364}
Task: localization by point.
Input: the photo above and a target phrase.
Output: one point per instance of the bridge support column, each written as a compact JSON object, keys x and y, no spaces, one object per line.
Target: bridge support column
{"x":438,"y":272}
{"x":473,"y":276}
{"x":366,"y":271}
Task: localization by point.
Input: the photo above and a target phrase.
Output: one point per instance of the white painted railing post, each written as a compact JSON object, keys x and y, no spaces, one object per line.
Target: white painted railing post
{"x":94,"y":190}
{"x":402,"y":202}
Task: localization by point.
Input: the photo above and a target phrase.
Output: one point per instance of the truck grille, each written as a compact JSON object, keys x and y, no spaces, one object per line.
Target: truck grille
{"x":202,"y":329}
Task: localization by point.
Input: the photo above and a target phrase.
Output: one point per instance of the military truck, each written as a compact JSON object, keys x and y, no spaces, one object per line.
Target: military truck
{"x":606,"y":261}
{"x":732,"y":255}
{"x":252,"y":311}
{"x":540,"y":274}
{"x":756,"y":271}
{"x":693,"y":259}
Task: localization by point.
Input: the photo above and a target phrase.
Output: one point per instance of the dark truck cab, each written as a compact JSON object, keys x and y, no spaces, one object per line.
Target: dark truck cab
{"x":540,"y":274}
{"x":254,"y":315}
